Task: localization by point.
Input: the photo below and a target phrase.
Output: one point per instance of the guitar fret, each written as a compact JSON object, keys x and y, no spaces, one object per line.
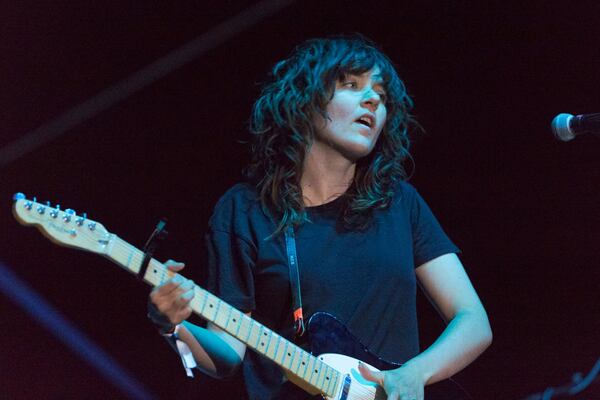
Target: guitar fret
{"x":269,"y":335}
{"x":247,"y":340}
{"x":237,"y":319}
{"x":325,"y":373}
{"x":121,"y":252}
{"x":309,"y":361}
{"x":299,"y":365}
{"x":326,"y":385}
{"x":217,"y":309}
{"x":195,"y":303}
{"x":253,"y":325}
{"x":210,"y":313}
{"x":318,"y":366}
{"x":128,"y":262}
{"x":199,"y":298}
{"x":273,"y":345}
{"x":284,"y":354}
{"x":331,"y":381}
{"x":233,"y":322}
{"x":221,"y":314}
{"x":303,"y":367}
{"x":162,"y":277}
{"x":327,"y":378}
{"x":276,"y":348}
{"x":294,"y":353}
{"x":245,"y":320}
{"x":204,"y":303}
{"x":259,"y":337}
{"x":306,"y":363}
{"x":313,"y":376}
{"x":227,"y":319}
{"x":338,"y":376}
{"x":331,"y":374}
{"x":316,"y":374}
{"x":298,"y":356}
{"x":293,"y":358}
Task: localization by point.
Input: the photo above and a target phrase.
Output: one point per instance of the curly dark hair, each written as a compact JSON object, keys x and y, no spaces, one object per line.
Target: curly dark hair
{"x":300,"y":87}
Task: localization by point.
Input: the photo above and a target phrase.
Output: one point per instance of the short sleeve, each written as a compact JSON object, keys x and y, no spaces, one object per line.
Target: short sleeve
{"x":230,"y":266}
{"x":429,"y":239}
{"x":231,"y":254}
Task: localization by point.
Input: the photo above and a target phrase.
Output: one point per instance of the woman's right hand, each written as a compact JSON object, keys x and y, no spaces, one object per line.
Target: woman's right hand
{"x":172,"y":298}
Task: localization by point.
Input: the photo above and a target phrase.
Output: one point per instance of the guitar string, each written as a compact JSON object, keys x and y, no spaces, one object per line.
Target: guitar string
{"x":135,"y":257}
{"x":121,"y":250}
{"x":124,"y":251}
{"x":164,"y":273}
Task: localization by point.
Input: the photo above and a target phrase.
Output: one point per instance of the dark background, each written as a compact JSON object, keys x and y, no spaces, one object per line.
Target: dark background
{"x":487,"y":78}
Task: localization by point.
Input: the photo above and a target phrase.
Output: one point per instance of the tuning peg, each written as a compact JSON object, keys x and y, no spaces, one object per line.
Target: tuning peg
{"x":92,"y":226}
{"x":54,"y":212}
{"x":79,"y":220}
{"x":68,"y":215}
{"x":18,"y":196}
{"x":41,"y":209}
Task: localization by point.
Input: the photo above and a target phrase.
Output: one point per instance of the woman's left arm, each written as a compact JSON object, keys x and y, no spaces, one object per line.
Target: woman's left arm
{"x":466,"y":336}
{"x":468,"y":332}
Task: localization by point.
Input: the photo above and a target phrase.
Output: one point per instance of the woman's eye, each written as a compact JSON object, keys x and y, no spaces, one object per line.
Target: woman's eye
{"x":350,"y":84}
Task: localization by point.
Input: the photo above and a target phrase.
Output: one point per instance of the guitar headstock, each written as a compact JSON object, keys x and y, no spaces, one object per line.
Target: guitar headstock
{"x":65,"y":228}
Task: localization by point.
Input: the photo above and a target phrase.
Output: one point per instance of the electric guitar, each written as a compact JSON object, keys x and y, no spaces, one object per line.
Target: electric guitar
{"x":330,"y":369}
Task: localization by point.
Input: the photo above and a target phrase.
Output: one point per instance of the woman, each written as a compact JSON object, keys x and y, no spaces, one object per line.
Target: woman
{"x":330,"y":136}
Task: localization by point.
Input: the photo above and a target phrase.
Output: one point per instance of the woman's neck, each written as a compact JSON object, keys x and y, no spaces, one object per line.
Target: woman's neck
{"x":325,"y":176}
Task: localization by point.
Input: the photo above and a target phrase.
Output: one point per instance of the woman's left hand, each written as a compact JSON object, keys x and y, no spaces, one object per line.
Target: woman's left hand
{"x":404,"y":383}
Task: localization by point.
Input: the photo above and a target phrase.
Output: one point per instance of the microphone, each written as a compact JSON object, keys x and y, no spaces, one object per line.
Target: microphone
{"x":567,"y":126}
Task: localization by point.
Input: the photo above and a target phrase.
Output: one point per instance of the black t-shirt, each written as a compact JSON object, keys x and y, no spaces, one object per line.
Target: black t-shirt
{"x":365,"y":278}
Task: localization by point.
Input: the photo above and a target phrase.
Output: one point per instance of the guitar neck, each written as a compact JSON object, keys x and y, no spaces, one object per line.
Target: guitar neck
{"x":301,"y":364}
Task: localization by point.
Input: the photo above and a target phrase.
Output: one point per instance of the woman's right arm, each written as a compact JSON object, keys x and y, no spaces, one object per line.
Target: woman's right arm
{"x":217,"y":353}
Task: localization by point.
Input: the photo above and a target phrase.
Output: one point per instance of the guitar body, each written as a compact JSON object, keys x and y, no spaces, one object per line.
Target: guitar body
{"x":340,"y":349}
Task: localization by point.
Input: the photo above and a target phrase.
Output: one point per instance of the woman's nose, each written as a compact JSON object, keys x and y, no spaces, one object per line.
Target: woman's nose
{"x":371,"y":100}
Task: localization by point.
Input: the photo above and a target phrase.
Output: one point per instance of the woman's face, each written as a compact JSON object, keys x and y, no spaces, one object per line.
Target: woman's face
{"x":357,"y":115}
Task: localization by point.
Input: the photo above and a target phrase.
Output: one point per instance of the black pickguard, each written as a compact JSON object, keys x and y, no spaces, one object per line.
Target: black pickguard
{"x":326,"y":334}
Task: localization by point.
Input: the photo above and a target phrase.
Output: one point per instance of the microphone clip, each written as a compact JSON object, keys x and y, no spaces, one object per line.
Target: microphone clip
{"x":159,"y":234}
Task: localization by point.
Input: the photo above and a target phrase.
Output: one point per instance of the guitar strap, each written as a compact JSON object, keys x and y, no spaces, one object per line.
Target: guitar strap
{"x":290,"y":247}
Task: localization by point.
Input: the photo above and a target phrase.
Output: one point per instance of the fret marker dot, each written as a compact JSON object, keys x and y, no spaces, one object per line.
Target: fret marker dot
{"x":210,"y":305}
{"x":262,"y":343}
{"x":303,"y":363}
